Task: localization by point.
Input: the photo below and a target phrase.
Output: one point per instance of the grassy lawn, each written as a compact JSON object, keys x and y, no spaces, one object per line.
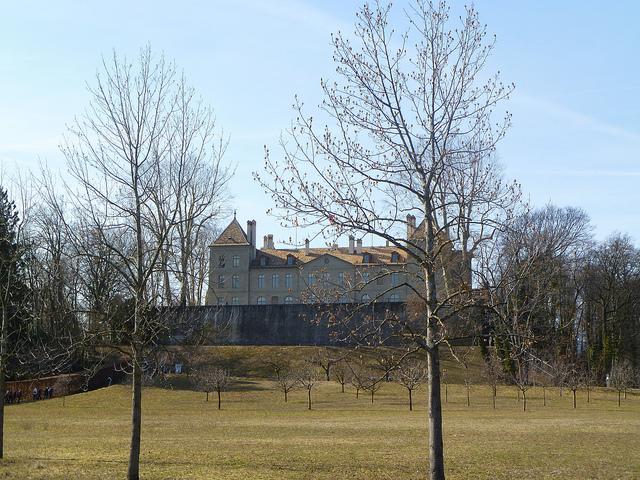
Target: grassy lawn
{"x":258,"y":436}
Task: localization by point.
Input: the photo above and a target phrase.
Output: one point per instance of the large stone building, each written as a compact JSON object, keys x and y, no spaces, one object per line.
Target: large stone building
{"x":242,"y":274}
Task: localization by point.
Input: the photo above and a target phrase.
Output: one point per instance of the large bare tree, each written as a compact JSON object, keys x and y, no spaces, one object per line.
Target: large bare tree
{"x":205,"y":197}
{"x":135,"y":155}
{"x":405,"y":131}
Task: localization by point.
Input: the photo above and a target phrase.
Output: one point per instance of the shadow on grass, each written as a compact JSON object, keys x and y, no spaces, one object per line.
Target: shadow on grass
{"x":184,"y":382}
{"x":143,"y":462}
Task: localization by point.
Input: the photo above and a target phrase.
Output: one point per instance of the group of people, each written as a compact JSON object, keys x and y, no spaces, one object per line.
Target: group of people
{"x":42,"y":393}
{"x":13,"y":396}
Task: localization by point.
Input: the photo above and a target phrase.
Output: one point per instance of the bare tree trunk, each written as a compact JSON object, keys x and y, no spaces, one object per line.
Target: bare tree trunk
{"x":309,"y":392}
{"x":342,"y":385}
{"x":436,"y":452}
{"x":574,"y":399}
{"x":133,"y":473}
{"x":524,"y":401}
{"x":618,"y":397}
{"x":544,"y":396}
{"x":494,"y":398}
{"x":285,"y":397}
{"x":207,"y":397}
{"x":468,"y":396}
{"x":166,"y":282}
{"x":434,"y":405}
{"x":410,"y":402}
{"x":185,"y":282}
{"x":3,"y":387}
{"x":372,"y":393}
{"x":219,"y":401}
{"x":588,"y":395}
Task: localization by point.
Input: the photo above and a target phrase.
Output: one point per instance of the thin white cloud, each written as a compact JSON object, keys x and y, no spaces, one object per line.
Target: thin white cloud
{"x":585,"y":173}
{"x":301,"y":13}
{"x":577,"y":119}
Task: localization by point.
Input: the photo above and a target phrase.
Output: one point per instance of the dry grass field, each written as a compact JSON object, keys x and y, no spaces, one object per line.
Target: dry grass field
{"x":258,"y":436}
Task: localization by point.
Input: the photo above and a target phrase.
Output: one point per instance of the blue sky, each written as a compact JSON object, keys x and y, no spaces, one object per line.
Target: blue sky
{"x":575,"y":138}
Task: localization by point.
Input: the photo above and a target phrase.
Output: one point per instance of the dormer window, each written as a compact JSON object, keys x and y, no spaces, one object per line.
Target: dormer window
{"x":263,"y":261}
{"x":291,"y":260}
{"x":395,"y":258}
{"x":366,"y":258}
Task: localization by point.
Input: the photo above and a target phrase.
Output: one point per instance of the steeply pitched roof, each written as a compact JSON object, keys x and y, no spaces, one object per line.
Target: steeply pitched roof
{"x":379,"y":255}
{"x":232,"y":235}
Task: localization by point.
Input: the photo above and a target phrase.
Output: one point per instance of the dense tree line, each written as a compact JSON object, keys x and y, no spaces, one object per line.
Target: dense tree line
{"x":561,"y":300}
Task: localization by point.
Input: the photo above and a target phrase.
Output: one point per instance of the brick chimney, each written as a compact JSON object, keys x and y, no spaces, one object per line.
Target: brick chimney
{"x":359,"y":246}
{"x":306,"y":246}
{"x":270,"y":241}
{"x":352,"y":247}
{"x":411,"y":226}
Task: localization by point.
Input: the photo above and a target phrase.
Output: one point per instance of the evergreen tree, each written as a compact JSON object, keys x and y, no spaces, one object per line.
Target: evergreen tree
{"x":13,"y":299}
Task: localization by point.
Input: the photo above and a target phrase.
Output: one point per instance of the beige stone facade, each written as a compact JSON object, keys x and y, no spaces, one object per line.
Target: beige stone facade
{"x":242,"y":274}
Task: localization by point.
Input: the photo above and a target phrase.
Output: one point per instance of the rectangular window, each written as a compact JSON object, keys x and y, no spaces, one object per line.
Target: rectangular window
{"x":288,"y":280}
{"x":311,"y":279}
{"x":235,"y":260}
{"x":275,"y":281}
{"x":220,"y":281}
{"x":220,"y":301}
{"x":235,"y":301}
{"x":326,"y":276}
{"x":341,"y":279}
{"x":395,"y":279}
{"x":235,"y":281}
{"x":261,"y":280}
{"x":365,"y":277}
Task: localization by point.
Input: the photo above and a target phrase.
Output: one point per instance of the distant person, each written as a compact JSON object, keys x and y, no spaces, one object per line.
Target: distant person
{"x":50,"y":392}
{"x":109,"y":382}
{"x":35,"y":393}
{"x":18,"y":396}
